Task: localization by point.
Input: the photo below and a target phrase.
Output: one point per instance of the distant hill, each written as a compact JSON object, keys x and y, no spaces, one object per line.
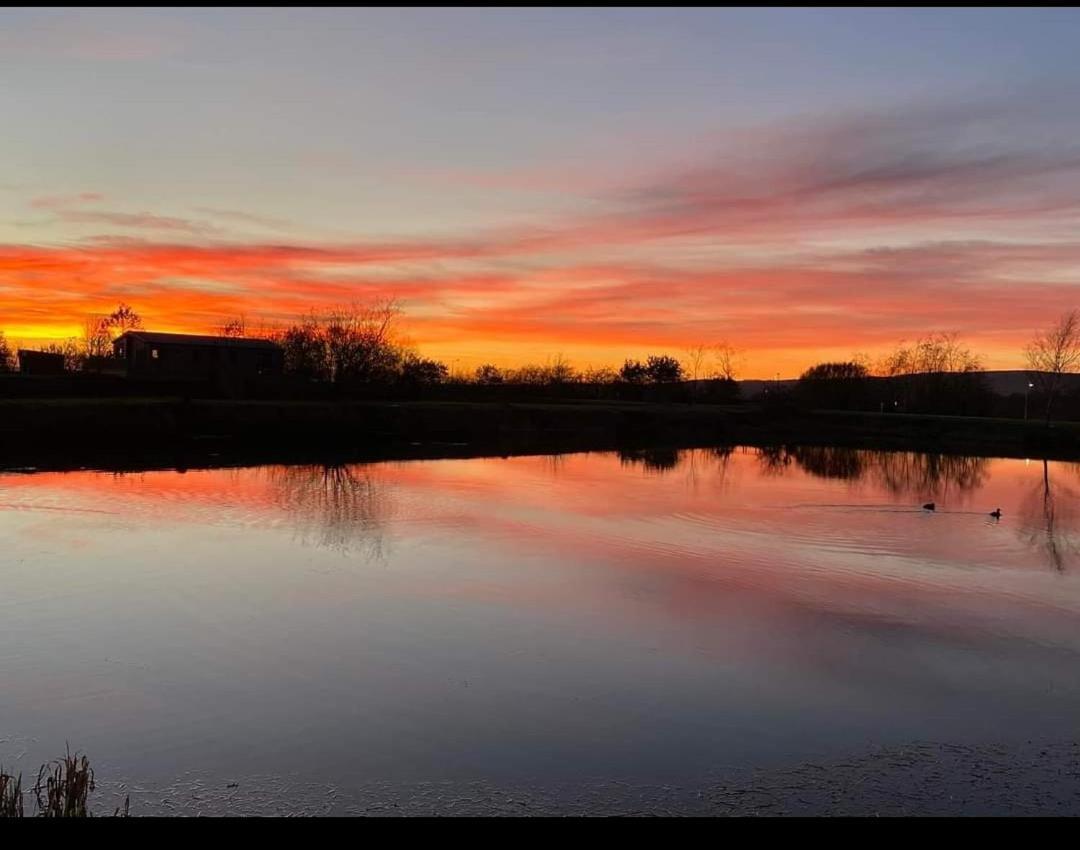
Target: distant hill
{"x":1007,"y":383}
{"x":752,"y":388}
{"x":1001,"y":382}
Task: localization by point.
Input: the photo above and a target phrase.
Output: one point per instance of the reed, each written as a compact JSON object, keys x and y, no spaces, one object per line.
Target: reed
{"x":11,"y":798}
{"x":62,"y":790}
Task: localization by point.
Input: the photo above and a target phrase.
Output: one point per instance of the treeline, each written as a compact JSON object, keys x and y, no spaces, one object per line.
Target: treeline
{"x":939,"y":374}
{"x":360,"y":349}
{"x":936,"y":374}
{"x":82,"y":354}
{"x":355,"y":346}
{"x":656,"y":369}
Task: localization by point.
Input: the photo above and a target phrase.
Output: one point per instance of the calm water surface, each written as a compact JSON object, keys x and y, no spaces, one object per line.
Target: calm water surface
{"x":652,"y":617}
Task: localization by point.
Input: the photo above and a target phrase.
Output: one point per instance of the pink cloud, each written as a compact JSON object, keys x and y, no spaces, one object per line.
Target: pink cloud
{"x":62,"y":202}
{"x":754,"y":244}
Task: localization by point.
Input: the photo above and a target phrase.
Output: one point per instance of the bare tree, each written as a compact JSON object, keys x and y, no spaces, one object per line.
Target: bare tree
{"x":488,"y":374}
{"x":560,"y":371}
{"x":71,"y":352}
{"x":696,"y":357}
{"x":235,"y":328}
{"x":718,"y":360}
{"x":123,"y":319}
{"x":360,"y":341}
{"x":7,"y":358}
{"x":727,"y":361}
{"x":933,"y":353}
{"x":97,"y":339}
{"x":1053,"y":354}
{"x":305,"y":349}
{"x":355,"y":344}
{"x":935,"y":374}
{"x":100,"y":330}
{"x":599,"y":375}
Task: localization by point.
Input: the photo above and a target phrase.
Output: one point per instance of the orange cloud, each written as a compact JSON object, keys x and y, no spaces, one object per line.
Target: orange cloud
{"x":804,"y":241}
{"x":860,"y":300}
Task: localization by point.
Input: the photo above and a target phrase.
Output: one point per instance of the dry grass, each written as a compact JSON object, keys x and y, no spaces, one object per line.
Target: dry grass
{"x":11,"y":800}
{"x":62,"y":790}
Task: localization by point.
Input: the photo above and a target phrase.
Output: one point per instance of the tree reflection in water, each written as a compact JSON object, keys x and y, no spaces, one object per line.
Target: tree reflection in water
{"x":1048,"y":514}
{"x":774,"y":460}
{"x":709,"y":464}
{"x":346,"y":507}
{"x":341,"y":507}
{"x":917,"y":475}
{"x":652,"y":460}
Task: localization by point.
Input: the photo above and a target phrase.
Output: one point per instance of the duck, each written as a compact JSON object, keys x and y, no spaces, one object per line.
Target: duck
{"x":929,"y":506}
{"x":996,"y":513}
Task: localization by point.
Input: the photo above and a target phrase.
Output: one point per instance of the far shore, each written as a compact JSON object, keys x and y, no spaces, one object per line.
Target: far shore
{"x":128,"y":433}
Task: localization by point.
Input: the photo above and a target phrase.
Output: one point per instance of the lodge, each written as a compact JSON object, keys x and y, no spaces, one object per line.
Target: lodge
{"x":40,"y":362}
{"x":147,"y":354}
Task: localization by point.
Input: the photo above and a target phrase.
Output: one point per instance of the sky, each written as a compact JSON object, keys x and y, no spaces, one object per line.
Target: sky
{"x":595,"y":184}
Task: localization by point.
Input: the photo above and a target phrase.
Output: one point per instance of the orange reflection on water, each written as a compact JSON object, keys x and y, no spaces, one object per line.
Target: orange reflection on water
{"x":586,"y":604}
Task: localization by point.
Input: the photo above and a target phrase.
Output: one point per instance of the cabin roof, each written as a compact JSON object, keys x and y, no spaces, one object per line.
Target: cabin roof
{"x":196,"y":339}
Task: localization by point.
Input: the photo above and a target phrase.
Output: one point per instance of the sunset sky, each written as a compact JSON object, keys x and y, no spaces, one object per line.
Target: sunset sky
{"x":595,"y":183}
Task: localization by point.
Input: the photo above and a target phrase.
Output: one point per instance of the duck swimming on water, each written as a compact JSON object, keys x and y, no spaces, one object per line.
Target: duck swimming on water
{"x":929,"y":506}
{"x":996,"y":514}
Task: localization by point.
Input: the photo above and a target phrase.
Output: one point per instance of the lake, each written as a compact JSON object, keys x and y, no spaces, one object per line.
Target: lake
{"x":530,"y":634}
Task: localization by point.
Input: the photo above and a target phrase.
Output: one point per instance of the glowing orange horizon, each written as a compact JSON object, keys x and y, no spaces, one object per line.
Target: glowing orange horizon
{"x":802,"y":258}
{"x":461,"y":356}
{"x":803,"y":235}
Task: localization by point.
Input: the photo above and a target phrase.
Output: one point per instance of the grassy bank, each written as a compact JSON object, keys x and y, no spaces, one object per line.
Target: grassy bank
{"x":83,"y":431}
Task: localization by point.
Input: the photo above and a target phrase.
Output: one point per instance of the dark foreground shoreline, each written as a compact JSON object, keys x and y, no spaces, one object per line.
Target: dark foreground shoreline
{"x":174,"y":433}
{"x":915,"y":779}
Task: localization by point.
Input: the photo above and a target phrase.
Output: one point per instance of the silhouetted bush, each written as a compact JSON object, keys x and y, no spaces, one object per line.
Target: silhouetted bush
{"x":657,"y":369}
{"x":488,"y":374}
{"x":834,"y":385}
{"x":421,"y":371}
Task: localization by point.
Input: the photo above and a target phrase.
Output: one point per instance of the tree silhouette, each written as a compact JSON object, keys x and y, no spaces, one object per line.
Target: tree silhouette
{"x":235,"y":328}
{"x":123,"y":319}
{"x":696,"y":355}
{"x":847,"y":371}
{"x":420,"y":371}
{"x":662,"y":369}
{"x":488,"y":374}
{"x":1053,"y":354}
{"x":69,"y":349}
{"x":97,"y":337}
{"x":938,"y":373}
{"x":841,"y":385}
{"x":634,"y":372}
{"x":7,"y":359}
{"x":727,"y":361}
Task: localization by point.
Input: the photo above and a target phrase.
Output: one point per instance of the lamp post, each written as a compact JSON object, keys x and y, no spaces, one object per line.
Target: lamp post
{"x":1026,"y":391}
